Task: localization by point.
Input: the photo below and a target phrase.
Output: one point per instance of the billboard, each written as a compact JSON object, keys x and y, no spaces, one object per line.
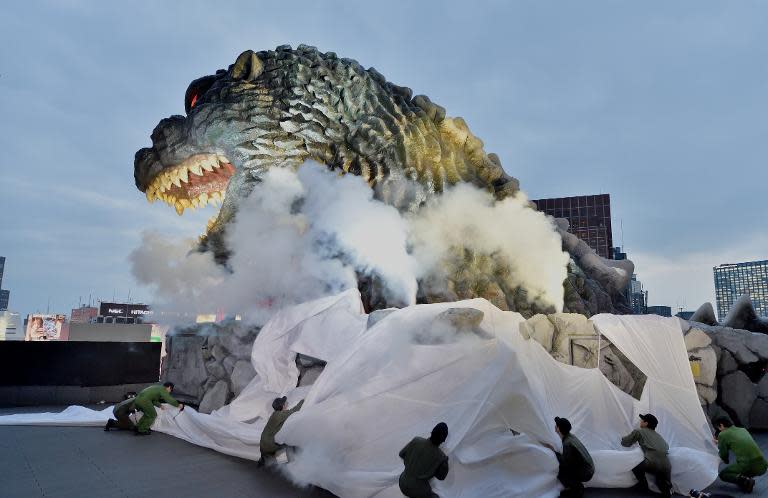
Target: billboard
{"x":44,"y":327}
{"x":123,"y":310}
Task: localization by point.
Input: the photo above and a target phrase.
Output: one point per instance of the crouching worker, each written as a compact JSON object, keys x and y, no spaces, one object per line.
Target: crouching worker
{"x":267,"y":444}
{"x":424,"y":460}
{"x":576,"y":465}
{"x":750,"y":461}
{"x":147,"y":400}
{"x":122,"y":412}
{"x":656,"y":453}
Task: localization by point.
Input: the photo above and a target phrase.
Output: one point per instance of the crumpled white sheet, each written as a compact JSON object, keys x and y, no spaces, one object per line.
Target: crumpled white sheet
{"x":384,"y":385}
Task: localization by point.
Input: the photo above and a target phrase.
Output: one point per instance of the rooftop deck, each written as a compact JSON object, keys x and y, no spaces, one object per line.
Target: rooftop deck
{"x":77,"y":462}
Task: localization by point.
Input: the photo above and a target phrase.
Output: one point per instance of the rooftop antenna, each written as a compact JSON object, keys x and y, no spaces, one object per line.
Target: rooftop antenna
{"x":48,"y":306}
{"x":621,"y":224}
{"x":129,"y":296}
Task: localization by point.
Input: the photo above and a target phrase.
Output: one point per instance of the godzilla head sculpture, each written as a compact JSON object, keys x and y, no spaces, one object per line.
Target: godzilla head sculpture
{"x":279,"y":108}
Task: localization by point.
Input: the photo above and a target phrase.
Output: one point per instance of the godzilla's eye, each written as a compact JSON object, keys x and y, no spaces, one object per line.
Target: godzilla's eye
{"x":197,"y":90}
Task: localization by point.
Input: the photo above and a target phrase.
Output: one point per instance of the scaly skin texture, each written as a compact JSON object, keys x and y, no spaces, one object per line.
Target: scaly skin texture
{"x":279,"y":108}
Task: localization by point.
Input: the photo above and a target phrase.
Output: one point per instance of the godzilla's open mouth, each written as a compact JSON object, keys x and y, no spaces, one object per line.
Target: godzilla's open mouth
{"x":194,"y":183}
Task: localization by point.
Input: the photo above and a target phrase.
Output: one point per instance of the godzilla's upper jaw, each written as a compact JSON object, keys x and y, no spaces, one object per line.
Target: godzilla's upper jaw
{"x":192,"y":183}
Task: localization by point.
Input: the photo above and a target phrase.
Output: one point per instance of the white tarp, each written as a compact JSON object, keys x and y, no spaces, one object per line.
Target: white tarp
{"x":396,"y":380}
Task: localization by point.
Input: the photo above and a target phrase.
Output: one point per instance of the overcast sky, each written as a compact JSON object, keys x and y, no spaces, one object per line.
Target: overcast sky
{"x":664,"y":106}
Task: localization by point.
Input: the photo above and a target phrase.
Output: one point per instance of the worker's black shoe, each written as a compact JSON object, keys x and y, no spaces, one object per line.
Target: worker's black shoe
{"x":110,"y":424}
{"x":747,"y":484}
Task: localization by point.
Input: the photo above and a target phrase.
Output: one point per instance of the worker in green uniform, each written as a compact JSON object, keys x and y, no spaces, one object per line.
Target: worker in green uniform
{"x":750,"y":461}
{"x":424,"y":460}
{"x":656,"y":453}
{"x":267,"y":444}
{"x":576,"y":465}
{"x":148,"y":399}
{"x":122,"y":412}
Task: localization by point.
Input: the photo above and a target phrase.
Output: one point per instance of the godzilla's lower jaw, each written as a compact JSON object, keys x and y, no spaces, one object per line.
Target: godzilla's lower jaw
{"x":194,"y":183}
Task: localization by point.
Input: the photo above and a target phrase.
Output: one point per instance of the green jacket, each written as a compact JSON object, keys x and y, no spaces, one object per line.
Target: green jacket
{"x":576,"y":458}
{"x":156,"y":395}
{"x":654,"y":447}
{"x":423,"y":461}
{"x":740,"y":442}
{"x":124,"y":408}
{"x":267,"y":444}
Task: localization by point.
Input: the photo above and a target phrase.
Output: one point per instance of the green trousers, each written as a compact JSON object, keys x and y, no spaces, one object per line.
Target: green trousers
{"x":149,"y":414}
{"x":734,"y":470}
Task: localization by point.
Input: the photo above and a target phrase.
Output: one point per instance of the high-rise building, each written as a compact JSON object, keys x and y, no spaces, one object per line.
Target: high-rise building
{"x":589,"y":217}
{"x":5,"y":295}
{"x":734,"y":280}
{"x":638,"y":298}
{"x":659,"y":310}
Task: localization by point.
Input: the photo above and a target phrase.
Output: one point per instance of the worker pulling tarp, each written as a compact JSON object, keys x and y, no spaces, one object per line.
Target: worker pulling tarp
{"x":496,"y":391}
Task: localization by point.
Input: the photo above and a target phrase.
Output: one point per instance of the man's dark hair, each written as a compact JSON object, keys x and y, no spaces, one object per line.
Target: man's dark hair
{"x":439,"y":434}
{"x":724,"y":421}
{"x":564,"y":425}
{"x":169,"y":384}
{"x":279,"y":403}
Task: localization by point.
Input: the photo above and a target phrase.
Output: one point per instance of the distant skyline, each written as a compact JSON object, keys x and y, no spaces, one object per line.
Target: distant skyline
{"x":663,"y":108}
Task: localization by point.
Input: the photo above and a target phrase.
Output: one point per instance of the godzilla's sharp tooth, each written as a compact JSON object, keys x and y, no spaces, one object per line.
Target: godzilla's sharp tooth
{"x":208,"y":165}
{"x":214,"y":197}
{"x":150,"y":196}
{"x":196,"y":202}
{"x":183,"y":174}
{"x":186,"y":203}
{"x":222,"y":159}
{"x":175,"y":179}
{"x":196,"y":169}
{"x":179,"y":208}
{"x":203,"y":198}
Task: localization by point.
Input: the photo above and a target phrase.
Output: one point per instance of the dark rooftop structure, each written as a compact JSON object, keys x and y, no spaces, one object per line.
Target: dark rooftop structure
{"x":589,"y":217}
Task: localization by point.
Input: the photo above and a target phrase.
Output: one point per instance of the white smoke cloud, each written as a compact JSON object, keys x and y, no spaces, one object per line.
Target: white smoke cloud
{"x":304,"y":234}
{"x":282,"y":256}
{"x":466,"y":216}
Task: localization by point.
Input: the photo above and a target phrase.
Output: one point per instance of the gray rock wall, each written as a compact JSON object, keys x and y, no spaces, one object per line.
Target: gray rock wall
{"x":209,"y":363}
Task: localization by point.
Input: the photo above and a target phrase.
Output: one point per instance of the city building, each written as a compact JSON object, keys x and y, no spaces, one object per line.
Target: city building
{"x":734,"y":280}
{"x":638,"y":298}
{"x":659,"y":310}
{"x":589,"y":217}
{"x":10,"y":329}
{"x":5,"y":295}
{"x":114,"y":322}
{"x":83,"y":314}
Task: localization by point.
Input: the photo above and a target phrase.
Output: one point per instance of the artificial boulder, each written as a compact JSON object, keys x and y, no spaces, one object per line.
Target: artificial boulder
{"x":705,"y":314}
{"x":242,"y":374}
{"x":742,"y":315}
{"x":738,"y":396}
{"x":215,"y":398}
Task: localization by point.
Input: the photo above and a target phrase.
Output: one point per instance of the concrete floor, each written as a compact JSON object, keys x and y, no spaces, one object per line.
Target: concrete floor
{"x":81,"y":462}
